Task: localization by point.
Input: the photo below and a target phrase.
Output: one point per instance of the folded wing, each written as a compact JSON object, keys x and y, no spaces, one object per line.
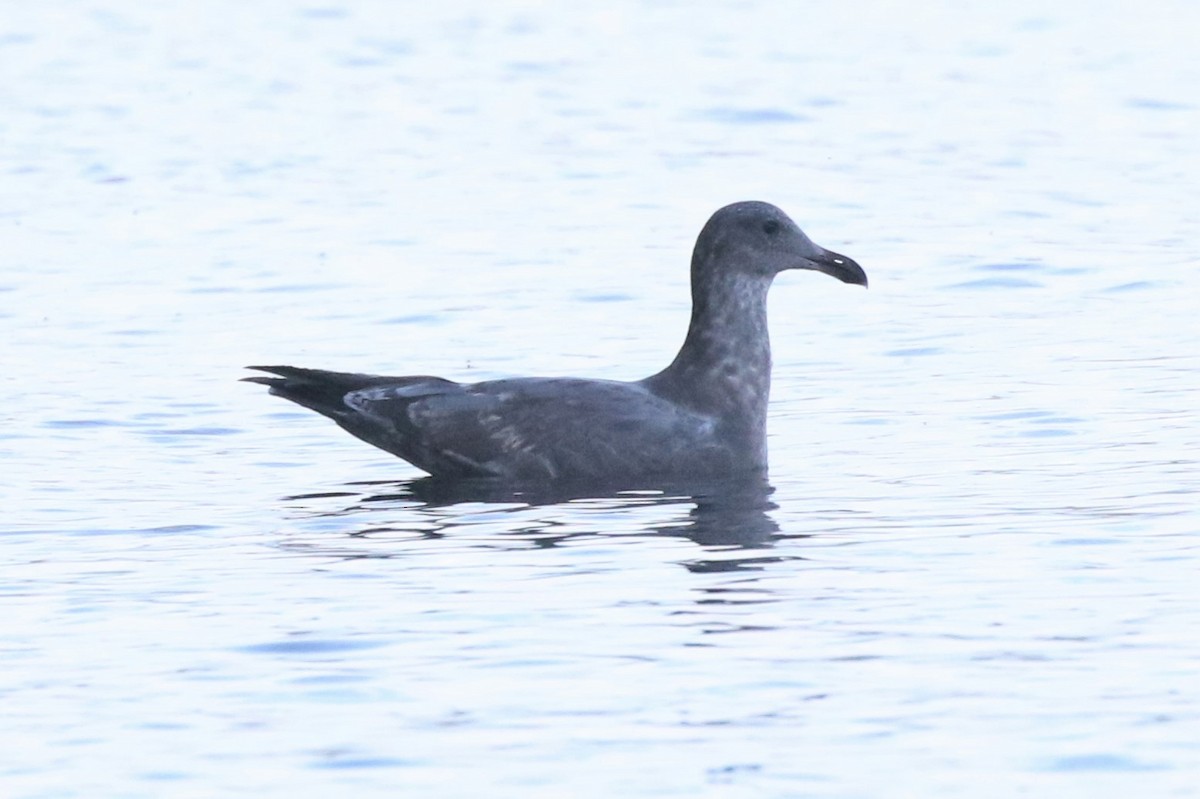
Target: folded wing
{"x":529,"y":428}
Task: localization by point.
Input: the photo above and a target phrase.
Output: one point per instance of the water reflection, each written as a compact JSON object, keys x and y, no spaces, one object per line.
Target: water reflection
{"x":725,"y":515}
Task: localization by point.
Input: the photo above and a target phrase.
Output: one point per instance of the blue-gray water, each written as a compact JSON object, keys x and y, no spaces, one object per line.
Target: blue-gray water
{"x":977,"y":575}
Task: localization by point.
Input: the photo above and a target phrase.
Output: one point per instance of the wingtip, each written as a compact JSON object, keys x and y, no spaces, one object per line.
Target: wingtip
{"x":269,"y":382}
{"x":279,"y":371}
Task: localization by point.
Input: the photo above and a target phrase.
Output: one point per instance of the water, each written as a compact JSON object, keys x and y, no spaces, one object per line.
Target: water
{"x":975,"y":575}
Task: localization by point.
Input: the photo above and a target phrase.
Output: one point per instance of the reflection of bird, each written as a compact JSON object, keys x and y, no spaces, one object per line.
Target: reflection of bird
{"x":704,"y":415}
{"x":712,"y":513}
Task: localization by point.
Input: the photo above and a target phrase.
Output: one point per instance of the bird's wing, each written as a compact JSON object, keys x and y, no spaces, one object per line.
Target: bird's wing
{"x":530,"y":428}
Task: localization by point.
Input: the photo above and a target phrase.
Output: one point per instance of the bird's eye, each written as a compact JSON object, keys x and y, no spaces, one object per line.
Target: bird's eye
{"x":770,"y":227}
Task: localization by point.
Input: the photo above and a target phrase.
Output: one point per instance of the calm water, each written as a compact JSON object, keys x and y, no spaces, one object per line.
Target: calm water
{"x":976,"y":574}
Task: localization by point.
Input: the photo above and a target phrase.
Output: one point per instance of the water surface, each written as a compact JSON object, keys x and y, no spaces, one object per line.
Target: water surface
{"x":974,"y":574}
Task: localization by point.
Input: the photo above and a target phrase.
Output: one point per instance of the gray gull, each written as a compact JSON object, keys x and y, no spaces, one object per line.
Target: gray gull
{"x":704,"y":416}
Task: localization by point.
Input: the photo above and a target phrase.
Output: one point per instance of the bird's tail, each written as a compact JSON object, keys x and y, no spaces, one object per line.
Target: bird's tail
{"x":316,"y":389}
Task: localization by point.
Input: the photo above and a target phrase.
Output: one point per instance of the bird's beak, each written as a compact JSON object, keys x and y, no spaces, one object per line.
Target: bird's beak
{"x":839,"y":266}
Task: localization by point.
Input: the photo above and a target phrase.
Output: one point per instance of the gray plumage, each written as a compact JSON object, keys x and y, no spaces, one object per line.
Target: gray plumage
{"x":705,"y":415}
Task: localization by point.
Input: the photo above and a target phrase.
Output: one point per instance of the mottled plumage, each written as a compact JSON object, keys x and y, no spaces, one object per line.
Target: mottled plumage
{"x":703,"y":416}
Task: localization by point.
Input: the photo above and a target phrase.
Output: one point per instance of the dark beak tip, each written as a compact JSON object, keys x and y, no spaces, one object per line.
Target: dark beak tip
{"x":837,"y":265}
{"x":850,"y":272}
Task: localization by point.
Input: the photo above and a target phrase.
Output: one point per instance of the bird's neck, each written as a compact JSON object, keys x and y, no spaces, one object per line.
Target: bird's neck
{"x":724,"y":366}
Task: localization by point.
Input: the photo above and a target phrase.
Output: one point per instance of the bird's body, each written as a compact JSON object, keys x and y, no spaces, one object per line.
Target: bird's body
{"x":703,"y":416}
{"x":517,"y":429}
